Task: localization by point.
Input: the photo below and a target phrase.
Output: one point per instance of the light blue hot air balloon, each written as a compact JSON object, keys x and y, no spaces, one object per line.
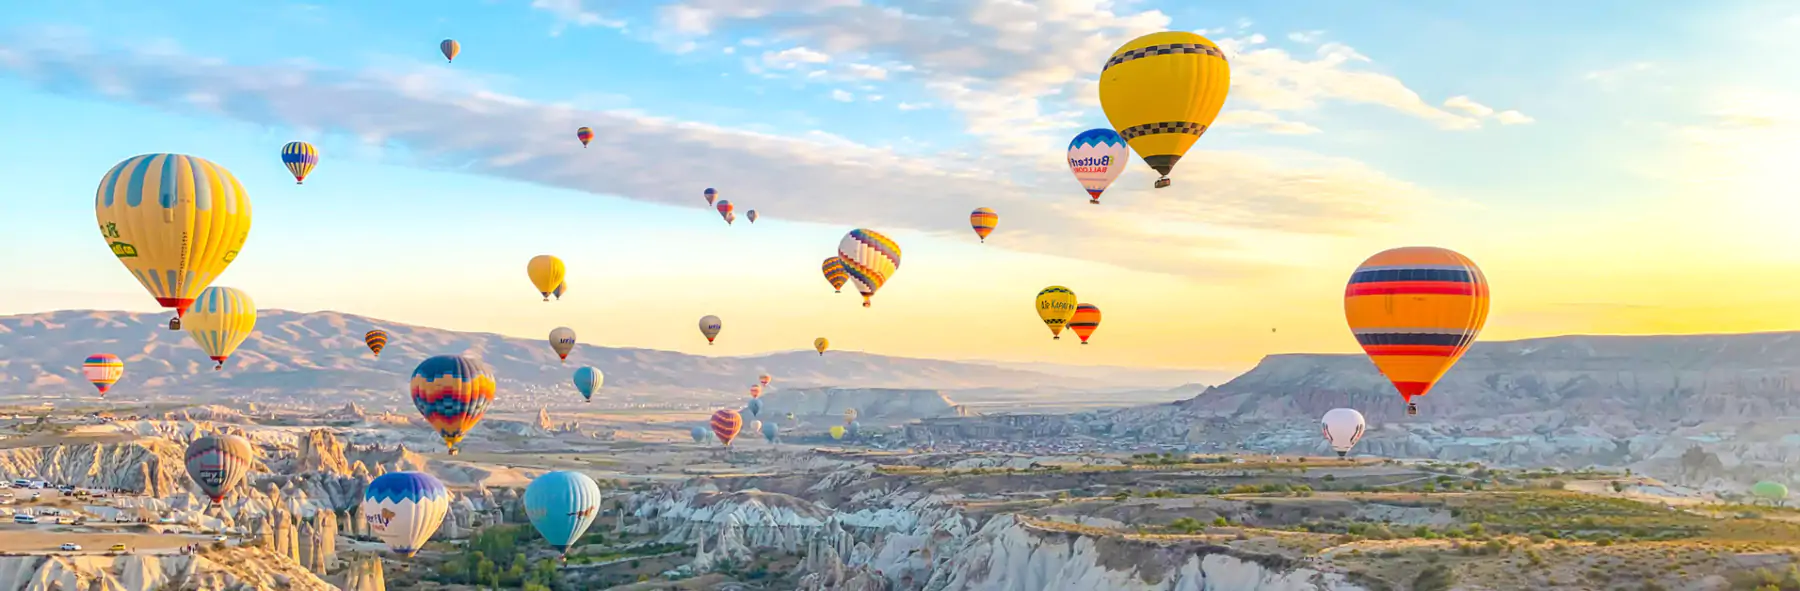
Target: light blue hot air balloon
{"x":854,"y":428}
{"x":587,"y":380}
{"x":562,"y":505}
{"x":755,"y":406}
{"x":769,"y":431}
{"x":699,"y":434}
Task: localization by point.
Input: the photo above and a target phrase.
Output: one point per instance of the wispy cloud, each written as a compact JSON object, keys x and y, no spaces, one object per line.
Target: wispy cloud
{"x":574,"y":12}
{"x":1214,"y":218}
{"x":841,"y":95}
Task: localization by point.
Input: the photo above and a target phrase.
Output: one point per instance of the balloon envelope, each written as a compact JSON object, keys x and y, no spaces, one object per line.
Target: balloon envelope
{"x":1056,"y":305}
{"x":588,"y":380}
{"x":711,"y":195}
{"x":1161,"y":92}
{"x":103,"y":370}
{"x":835,"y":274}
{"x":376,"y":340}
{"x":765,"y":379}
{"x":1773,"y":491}
{"x":698,"y":433}
{"x":751,"y":215}
{"x":821,"y":344}
{"x":450,"y":48}
{"x":219,"y":320}
{"x":724,"y":208}
{"x":1343,"y":427}
{"x":561,"y":288}
{"x":1097,"y":157}
{"x":1415,"y":311}
{"x":403,"y":509}
{"x":546,"y":272}
{"x":709,"y":327}
{"x":562,"y":340}
{"x":725,"y":425}
{"x":300,"y":158}
{"x":870,"y":258}
{"x":561,"y":506}
{"x":755,"y":407}
{"x":452,"y":392}
{"x":1085,"y":320}
{"x":837,"y":431}
{"x":585,"y":135}
{"x":983,"y":221}
{"x":218,"y":463}
{"x":175,"y":221}
{"x":756,"y":391}
{"x":769,"y":431}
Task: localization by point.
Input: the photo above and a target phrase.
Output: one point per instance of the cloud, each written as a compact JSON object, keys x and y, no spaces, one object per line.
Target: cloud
{"x":1306,"y":37}
{"x":793,"y":57}
{"x":867,"y":71}
{"x":1611,"y":77}
{"x":572,"y":12}
{"x":842,"y":96}
{"x":1265,"y":121}
{"x":1513,"y":118}
{"x":906,"y":106}
{"x":1481,"y":112}
{"x":1223,"y":216}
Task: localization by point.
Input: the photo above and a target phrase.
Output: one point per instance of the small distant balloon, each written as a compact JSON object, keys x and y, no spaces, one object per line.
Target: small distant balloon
{"x":376,"y":340}
{"x":585,"y":135}
{"x":837,"y":431}
{"x":765,"y":379}
{"x":724,"y":208}
{"x":1055,"y":306}
{"x":835,"y":274}
{"x":562,"y":340}
{"x":561,"y":288}
{"x":725,"y":425}
{"x":821,"y":344}
{"x":751,"y":215}
{"x":588,"y":380}
{"x":546,"y":273}
{"x":300,"y":158}
{"x":103,"y":370}
{"x":983,"y":221}
{"x":698,"y":434}
{"x":709,"y":327}
{"x":220,"y":320}
{"x":1343,"y":427}
{"x":870,"y":258}
{"x":1085,"y":321}
{"x":711,"y":195}
{"x":450,"y":48}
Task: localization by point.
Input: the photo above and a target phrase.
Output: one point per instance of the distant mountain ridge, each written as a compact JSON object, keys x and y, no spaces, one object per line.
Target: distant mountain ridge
{"x":312,"y":351}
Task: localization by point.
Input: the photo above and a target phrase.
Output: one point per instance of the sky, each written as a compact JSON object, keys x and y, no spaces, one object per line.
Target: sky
{"x":1614,"y":166}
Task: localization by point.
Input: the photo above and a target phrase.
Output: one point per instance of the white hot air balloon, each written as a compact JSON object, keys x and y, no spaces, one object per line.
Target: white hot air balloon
{"x":404,"y":508}
{"x":1343,"y":427}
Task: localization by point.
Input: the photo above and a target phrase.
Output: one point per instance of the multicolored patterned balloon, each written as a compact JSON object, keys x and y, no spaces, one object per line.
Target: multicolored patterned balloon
{"x":376,"y":340}
{"x":724,"y":208}
{"x":711,"y":195}
{"x":870,"y":258}
{"x":585,"y":135}
{"x":403,"y":509}
{"x":300,"y":158}
{"x":219,"y":462}
{"x":452,"y":392}
{"x":983,"y":221}
{"x":103,"y":370}
{"x":1085,"y":320}
{"x":835,"y":273}
{"x":1415,"y":310}
{"x":756,"y":391}
{"x":725,"y":425}
{"x":450,"y":48}
{"x":1097,"y":157}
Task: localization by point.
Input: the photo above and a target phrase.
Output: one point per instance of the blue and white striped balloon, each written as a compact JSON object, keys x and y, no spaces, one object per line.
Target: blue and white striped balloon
{"x":405,"y":508}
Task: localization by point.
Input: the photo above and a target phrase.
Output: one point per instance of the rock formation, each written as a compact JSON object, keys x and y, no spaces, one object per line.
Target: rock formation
{"x":234,"y":569}
{"x":148,"y":466}
{"x":365,"y":574}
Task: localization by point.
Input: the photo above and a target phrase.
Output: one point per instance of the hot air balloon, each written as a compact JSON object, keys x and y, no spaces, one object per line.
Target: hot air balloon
{"x":730,"y":217}
{"x":450,"y":48}
{"x":711,"y":195}
{"x":852,"y":428}
{"x":983,"y":221}
{"x":790,"y":416}
{"x":103,"y":370}
{"x":561,"y":288}
{"x":1415,"y":310}
{"x":724,"y":208}
{"x":835,"y":273}
{"x":1343,"y":427}
{"x":1774,"y":492}
{"x":769,"y":430}
{"x":754,"y":407}
{"x":756,"y":391}
{"x":849,"y":415}
{"x":725,"y":425}
{"x":1097,"y":157}
{"x":1161,"y":92}
{"x":755,"y":426}
{"x":837,"y":431}
{"x":751,"y":215}
{"x":585,"y":135}
{"x":561,"y":505}
{"x":376,"y":340}
{"x":1056,"y":305}
{"x":452,"y":392}
{"x":588,"y":381}
{"x":698,"y":433}
{"x":300,"y":158}
{"x":175,"y":221}
{"x":765,"y":379}
{"x":1084,"y":321}
{"x":218,"y":462}
{"x":870,"y":259}
{"x":219,"y":320}
{"x":562,"y":340}
{"x":821,"y":344}
{"x":403,"y":509}
{"x":709,"y":326}
{"x":546,"y":273}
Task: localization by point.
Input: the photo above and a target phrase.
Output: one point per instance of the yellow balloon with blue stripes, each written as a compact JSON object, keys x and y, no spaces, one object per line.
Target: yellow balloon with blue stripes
{"x":175,"y":221}
{"x":219,"y":320}
{"x":1161,"y":92}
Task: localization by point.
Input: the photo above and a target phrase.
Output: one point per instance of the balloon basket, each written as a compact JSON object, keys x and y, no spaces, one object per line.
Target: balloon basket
{"x":1412,"y":409}
{"x":1162,"y":182}
{"x":175,"y":323}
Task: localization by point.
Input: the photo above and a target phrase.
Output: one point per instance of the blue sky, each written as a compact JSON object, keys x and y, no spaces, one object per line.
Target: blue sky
{"x":1536,"y":135}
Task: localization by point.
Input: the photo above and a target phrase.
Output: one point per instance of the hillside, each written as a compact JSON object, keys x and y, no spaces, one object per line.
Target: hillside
{"x":295,"y":352}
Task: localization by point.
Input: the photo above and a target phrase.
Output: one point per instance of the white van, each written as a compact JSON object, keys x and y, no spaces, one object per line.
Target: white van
{"x":21,"y":482}
{"x":25,"y":519}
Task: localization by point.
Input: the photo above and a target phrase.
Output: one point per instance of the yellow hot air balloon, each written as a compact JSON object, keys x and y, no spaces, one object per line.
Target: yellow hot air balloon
{"x":1415,"y":310}
{"x":1056,"y":305}
{"x":821,"y":344}
{"x":175,"y":221}
{"x":837,"y":431}
{"x":219,"y":320}
{"x":546,"y":273}
{"x":1161,"y":92}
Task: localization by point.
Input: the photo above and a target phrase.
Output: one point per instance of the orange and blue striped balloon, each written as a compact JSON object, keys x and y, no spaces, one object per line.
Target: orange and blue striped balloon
{"x":835,"y":273}
{"x":300,"y":158}
{"x":1085,"y":320}
{"x":983,"y":220}
{"x":376,"y":340}
{"x":103,"y":370}
{"x":452,"y":392}
{"x":1415,"y":311}
{"x":725,"y":425}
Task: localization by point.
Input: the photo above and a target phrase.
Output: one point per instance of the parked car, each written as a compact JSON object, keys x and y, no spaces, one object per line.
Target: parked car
{"x":218,"y":538}
{"x":118,"y":548}
{"x":71,"y":546}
